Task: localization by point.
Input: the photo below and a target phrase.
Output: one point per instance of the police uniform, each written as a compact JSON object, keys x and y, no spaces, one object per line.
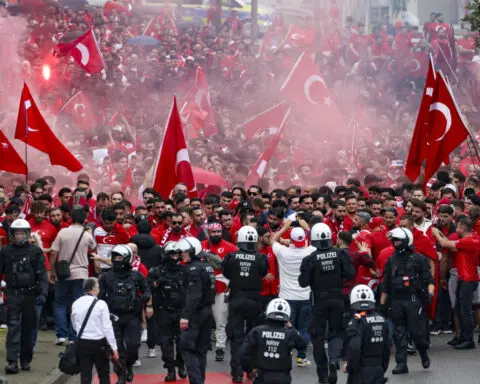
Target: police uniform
{"x":368,"y":349}
{"x":268,"y":348}
{"x":405,"y":278}
{"x":324,"y":271}
{"x":125,"y":292}
{"x":245,"y":271}
{"x":200,"y":296}
{"x":168,"y":286}
{"x":24,"y":271}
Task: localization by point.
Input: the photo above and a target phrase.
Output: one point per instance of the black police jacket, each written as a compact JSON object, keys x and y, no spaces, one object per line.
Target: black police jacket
{"x":326,"y":270}
{"x":137,"y":295}
{"x":200,"y":280}
{"x":268,"y":347}
{"x":245,"y":270}
{"x":406,"y":274}
{"x":23,"y":268}
{"x":368,"y":344}
{"x":168,"y":286}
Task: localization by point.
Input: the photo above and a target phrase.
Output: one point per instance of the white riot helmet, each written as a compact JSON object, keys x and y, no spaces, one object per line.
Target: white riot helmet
{"x":404,"y":236}
{"x":321,"y":236}
{"x":191,"y":245}
{"x":170,"y":249}
{"x":278,"y":309}
{"x":247,"y":239}
{"x":20,"y":225}
{"x":127,"y":256}
{"x":362,"y":298}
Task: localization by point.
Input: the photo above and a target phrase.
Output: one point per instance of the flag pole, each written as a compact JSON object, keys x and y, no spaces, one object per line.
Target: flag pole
{"x":26,"y":136}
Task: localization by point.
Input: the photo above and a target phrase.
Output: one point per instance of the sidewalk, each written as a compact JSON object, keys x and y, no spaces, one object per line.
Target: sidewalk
{"x":44,"y":364}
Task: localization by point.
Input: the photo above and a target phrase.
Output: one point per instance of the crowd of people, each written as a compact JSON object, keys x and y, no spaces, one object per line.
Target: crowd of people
{"x":107,"y":222}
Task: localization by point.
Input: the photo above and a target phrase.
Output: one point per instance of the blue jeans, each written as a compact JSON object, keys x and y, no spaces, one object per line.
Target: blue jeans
{"x":299,"y":317}
{"x":66,"y":292}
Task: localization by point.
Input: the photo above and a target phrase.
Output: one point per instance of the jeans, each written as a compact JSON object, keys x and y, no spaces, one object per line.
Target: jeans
{"x":463,"y":308}
{"x":38,"y":309}
{"x":66,"y":292}
{"x":299,"y":317}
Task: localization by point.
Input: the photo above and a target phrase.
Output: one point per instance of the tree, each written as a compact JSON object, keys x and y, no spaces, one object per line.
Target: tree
{"x":474,"y":15}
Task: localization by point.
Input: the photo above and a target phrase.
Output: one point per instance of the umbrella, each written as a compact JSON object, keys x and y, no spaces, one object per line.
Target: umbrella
{"x":144,"y":41}
{"x":202,"y":176}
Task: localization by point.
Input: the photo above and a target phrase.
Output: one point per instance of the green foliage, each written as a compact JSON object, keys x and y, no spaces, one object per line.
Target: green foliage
{"x":474,"y":17}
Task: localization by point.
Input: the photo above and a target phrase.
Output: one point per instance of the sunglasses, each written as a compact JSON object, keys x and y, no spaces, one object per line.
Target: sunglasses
{"x":177,"y":222}
{"x":252,"y":193}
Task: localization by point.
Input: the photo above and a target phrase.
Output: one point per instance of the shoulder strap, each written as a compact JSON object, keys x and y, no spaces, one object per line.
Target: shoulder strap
{"x":76,"y":246}
{"x":90,"y":309}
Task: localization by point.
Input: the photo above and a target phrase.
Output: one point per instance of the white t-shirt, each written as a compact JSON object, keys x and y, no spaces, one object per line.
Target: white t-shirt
{"x":289,"y":262}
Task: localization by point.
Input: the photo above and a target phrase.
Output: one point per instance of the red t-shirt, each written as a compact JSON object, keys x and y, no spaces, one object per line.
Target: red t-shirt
{"x":45,"y":230}
{"x":466,"y":43}
{"x":270,"y":287}
{"x":221,"y":249}
{"x":468,"y":252}
{"x":363,"y":274}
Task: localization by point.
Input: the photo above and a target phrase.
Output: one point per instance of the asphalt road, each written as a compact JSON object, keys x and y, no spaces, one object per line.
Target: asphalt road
{"x":448,"y":366}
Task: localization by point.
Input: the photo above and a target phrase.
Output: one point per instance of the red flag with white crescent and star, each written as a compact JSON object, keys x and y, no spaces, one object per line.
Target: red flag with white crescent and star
{"x":307,"y":89}
{"x":269,"y":120}
{"x":10,"y":160}
{"x":79,"y":108}
{"x":446,"y":129}
{"x":85,"y":51}
{"x":173,"y":163}
{"x":33,"y":130}
{"x":263,"y":162}
{"x":299,"y":37}
{"x":418,"y":147}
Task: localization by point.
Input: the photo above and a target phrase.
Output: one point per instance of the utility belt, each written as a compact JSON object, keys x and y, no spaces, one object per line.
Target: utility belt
{"x":169,"y":308}
{"x":408,"y":295}
{"x":23,"y":291}
{"x":370,"y":361}
{"x":316,"y":296}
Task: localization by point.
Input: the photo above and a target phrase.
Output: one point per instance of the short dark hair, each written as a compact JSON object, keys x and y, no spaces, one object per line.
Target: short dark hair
{"x":346,"y":237}
{"x":457,"y":203}
{"x":446,"y":191}
{"x":419,"y":204}
{"x":225,"y":212}
{"x":467,"y":223}
{"x":280,"y":192}
{"x":337,"y":203}
{"x":408,"y":218}
{"x":79,"y":216}
{"x":102,"y":196}
{"x":120,"y":206}
{"x":445,"y":209}
{"x":63,"y":191}
{"x":108,"y":214}
{"x":89,"y":284}
{"x":46,"y":197}
{"x":227,"y":194}
{"x":303,"y":197}
{"x":276,"y":212}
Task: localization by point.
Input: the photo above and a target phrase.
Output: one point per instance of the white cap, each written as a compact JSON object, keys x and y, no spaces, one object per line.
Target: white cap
{"x":298,"y":237}
{"x":453,"y":187}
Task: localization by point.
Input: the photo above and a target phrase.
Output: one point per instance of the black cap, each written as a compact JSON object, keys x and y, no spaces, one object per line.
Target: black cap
{"x":245,"y":206}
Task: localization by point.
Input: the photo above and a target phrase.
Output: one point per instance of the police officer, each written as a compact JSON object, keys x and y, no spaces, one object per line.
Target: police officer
{"x":197,"y":317}
{"x":324,"y":271}
{"x":268,"y":347}
{"x":125,"y":292}
{"x":405,"y":277}
{"x":23,"y":267}
{"x":368,"y":344}
{"x":245,"y":270}
{"x":167,"y":284}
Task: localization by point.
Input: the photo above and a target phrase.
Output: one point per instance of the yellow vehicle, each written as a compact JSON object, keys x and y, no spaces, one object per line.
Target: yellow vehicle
{"x":195,"y":11}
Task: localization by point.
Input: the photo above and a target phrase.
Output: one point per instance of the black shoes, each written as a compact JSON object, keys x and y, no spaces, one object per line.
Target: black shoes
{"x":172,"y":376}
{"x":454,"y":342}
{"x":332,"y":376}
{"x":129,"y":374}
{"x":11,"y":368}
{"x":323,"y":380}
{"x":237,"y":378}
{"x":425,"y":359}
{"x":25,"y":366}
{"x":400,"y":369}
{"x":182,"y":372}
{"x":465,"y":345}
{"x":219,"y":354}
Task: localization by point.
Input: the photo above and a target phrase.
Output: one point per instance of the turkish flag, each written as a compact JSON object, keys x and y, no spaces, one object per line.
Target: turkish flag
{"x":81,"y":111}
{"x":446,"y":129}
{"x":33,"y":130}
{"x":306,"y":88}
{"x":173,"y":163}
{"x":263,"y":161}
{"x":198,"y":110}
{"x":85,"y":51}
{"x":418,"y":148}
{"x":10,"y":160}
{"x":269,"y":120}
{"x":414,"y":65}
{"x":299,"y":37}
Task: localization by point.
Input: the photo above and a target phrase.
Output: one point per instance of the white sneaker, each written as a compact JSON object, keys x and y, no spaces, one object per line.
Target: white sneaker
{"x":61,"y":341}
{"x":144,"y":336}
{"x":3,"y":326}
{"x":152,"y":353}
{"x":137,"y":363}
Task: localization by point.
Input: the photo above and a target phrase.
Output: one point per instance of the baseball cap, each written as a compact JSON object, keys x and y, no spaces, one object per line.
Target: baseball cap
{"x":245,"y":206}
{"x":444,"y":201}
{"x":298,"y":237}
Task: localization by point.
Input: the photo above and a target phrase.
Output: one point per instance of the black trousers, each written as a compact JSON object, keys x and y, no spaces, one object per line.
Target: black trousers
{"x":367,"y":375}
{"x":128,"y":331}
{"x":243,"y":315}
{"x":408,"y":317}
{"x":169,"y":323}
{"x":270,"y":377}
{"x":194,"y":344}
{"x":463,"y":308}
{"x":21,"y":321}
{"x":152,"y":332}
{"x":90,"y":353}
{"x":329,"y":310}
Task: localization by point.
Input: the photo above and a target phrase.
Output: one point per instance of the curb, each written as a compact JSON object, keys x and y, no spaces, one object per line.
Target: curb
{"x":56,"y":377}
